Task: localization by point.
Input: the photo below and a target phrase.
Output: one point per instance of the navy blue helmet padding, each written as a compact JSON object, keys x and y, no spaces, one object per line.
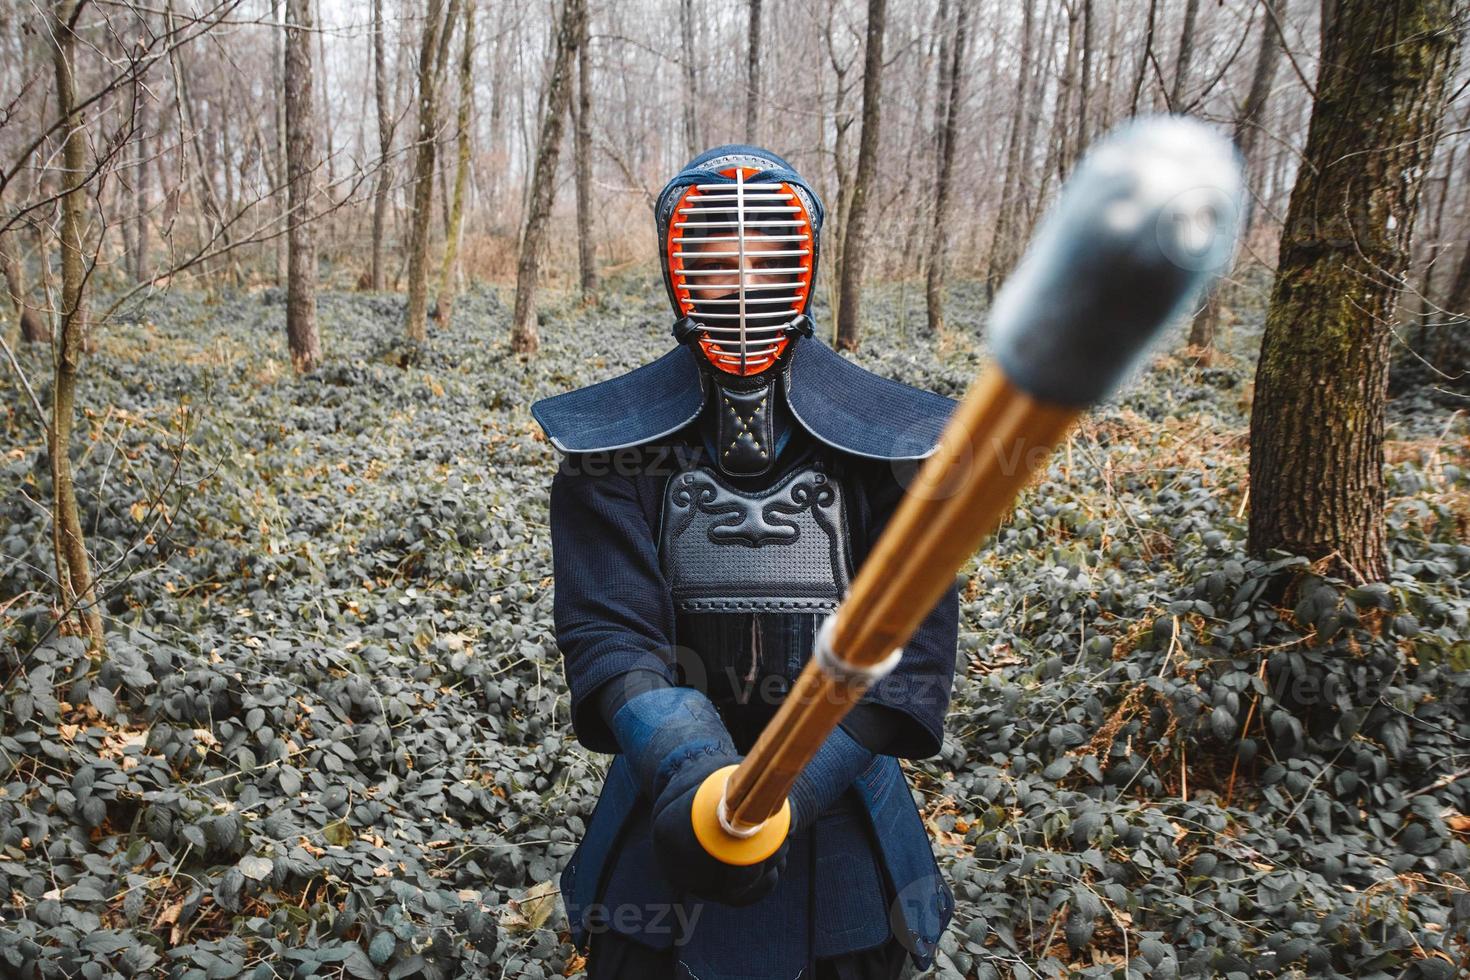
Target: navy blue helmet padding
{"x":645,"y":404}
{"x":838,"y":402}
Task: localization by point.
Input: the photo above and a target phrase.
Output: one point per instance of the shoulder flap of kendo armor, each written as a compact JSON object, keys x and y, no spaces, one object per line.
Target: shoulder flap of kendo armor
{"x":859,"y":412}
{"x":641,"y":406}
{"x":838,"y":402}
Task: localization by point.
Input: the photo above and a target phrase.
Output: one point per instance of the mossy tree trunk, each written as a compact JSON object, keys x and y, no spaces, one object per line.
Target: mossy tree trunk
{"x":73,"y":565}
{"x":1316,"y":467}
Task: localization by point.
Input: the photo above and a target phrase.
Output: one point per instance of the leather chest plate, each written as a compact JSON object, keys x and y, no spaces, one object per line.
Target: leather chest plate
{"x":782,"y":549}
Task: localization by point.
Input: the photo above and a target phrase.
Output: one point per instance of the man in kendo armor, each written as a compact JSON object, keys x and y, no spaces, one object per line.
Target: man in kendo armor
{"x":710,"y":510}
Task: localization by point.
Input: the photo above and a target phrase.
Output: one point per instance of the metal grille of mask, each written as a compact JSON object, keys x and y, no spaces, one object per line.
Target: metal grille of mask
{"x":740,"y":257}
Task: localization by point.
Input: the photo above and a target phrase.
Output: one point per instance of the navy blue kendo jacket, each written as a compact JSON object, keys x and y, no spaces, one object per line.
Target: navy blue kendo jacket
{"x":868,"y":862}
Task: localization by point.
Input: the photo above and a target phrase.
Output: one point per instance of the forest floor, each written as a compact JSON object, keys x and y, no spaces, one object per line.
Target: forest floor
{"x":331,"y":734}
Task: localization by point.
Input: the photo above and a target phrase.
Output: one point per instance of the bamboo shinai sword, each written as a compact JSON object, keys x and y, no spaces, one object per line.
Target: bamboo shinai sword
{"x":1145,"y":223}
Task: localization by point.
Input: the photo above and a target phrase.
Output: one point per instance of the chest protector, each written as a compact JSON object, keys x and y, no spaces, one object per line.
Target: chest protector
{"x":752,"y":574}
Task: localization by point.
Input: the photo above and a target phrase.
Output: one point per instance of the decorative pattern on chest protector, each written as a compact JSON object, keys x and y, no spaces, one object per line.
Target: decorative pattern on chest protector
{"x":783,"y":549}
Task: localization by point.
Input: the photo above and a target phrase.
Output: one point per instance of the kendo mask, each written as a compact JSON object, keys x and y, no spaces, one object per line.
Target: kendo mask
{"x":738,"y":232}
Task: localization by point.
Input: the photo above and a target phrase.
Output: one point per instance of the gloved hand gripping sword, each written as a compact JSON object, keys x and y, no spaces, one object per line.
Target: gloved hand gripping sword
{"x":1143,"y":226}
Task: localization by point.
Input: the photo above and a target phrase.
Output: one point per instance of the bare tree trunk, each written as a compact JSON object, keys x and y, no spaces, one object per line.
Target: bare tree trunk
{"x":842,"y":122}
{"x":28,"y":324}
{"x":1248,"y":122}
{"x":854,"y":251}
{"x":15,"y":289}
{"x":142,"y":244}
{"x":1316,"y":453}
{"x":1144,"y":56}
{"x":1433,"y":249}
{"x":1186,"y":55}
{"x":400,"y":198}
{"x":423,"y":177}
{"x":445,"y":191}
{"x":225,"y":153}
{"x":139,"y":266}
{"x":120,"y":192}
{"x":385,"y":146}
{"x":278,"y":70}
{"x":203,"y":171}
{"x":327,"y":240}
{"x":1457,"y":302}
{"x":523,"y":336}
{"x":940,"y":235}
{"x":526,"y":141}
{"x":691,"y":78}
{"x":73,"y":565}
{"x":753,"y":72}
{"x":1003,"y":250}
{"x":359,"y":131}
{"x":586,"y":253}
{"x":497,"y":125}
{"x":1063,"y":120}
{"x":1110,"y":74}
{"x":943,"y":64}
{"x":913,"y":257}
{"x":447,"y":286}
{"x":1206,"y":323}
{"x":225,"y":157}
{"x":1033,"y":192}
{"x":1084,"y":87}
{"x":301,"y":332}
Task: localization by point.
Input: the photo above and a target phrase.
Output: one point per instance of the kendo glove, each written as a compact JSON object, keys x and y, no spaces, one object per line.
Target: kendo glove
{"x":674,"y":739}
{"x":831,"y":771}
